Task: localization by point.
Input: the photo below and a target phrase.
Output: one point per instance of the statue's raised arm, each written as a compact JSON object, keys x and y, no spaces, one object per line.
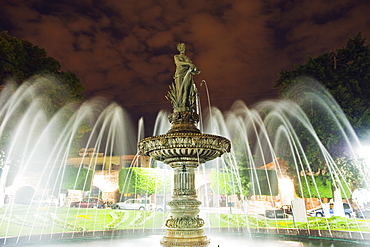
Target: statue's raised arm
{"x":183,"y":92}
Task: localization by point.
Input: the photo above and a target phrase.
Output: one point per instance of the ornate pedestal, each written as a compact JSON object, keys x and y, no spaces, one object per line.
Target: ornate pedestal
{"x":184,"y":225}
{"x":184,"y":148}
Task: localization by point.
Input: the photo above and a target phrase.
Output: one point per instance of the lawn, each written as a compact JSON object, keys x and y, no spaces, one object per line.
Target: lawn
{"x":29,"y":220}
{"x":333,"y":223}
{"x":26,"y":220}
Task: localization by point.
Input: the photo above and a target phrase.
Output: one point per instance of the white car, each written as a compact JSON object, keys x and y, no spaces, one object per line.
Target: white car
{"x":134,"y":204}
{"x":45,"y":201}
{"x":319,"y":212}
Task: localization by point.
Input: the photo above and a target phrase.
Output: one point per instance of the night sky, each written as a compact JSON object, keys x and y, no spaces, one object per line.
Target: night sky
{"x":123,"y":50}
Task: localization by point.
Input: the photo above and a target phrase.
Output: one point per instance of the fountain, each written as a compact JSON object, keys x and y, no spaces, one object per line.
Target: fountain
{"x":38,"y":148}
{"x":183,"y":147}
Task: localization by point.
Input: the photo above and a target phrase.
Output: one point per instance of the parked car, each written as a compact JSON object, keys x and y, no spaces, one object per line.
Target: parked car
{"x":137,"y":204}
{"x":45,"y":201}
{"x":91,"y":202}
{"x":319,"y":212}
{"x":275,"y":213}
{"x":363,"y":213}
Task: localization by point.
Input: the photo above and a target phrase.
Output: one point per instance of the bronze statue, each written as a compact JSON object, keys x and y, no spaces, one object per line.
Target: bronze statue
{"x":183,"y":92}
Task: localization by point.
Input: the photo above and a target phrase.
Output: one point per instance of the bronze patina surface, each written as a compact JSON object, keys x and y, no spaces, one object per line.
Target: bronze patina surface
{"x":184,"y":148}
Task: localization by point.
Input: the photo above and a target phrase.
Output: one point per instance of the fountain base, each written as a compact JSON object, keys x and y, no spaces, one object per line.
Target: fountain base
{"x":184,"y":148}
{"x":184,"y":237}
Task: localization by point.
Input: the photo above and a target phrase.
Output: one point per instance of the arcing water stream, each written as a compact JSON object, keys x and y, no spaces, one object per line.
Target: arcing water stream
{"x":269,"y":146}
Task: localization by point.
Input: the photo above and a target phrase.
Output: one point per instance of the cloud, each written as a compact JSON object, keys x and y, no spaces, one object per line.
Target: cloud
{"x":123,"y":50}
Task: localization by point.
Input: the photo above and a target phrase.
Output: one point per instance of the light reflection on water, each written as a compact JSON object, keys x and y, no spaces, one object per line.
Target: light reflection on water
{"x":221,"y":240}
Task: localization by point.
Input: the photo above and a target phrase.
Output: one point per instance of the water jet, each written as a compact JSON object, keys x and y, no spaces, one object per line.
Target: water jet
{"x":261,"y":136}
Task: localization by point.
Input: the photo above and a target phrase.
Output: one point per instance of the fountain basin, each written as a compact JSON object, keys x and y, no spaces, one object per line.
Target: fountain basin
{"x":219,"y":237}
{"x":184,"y":147}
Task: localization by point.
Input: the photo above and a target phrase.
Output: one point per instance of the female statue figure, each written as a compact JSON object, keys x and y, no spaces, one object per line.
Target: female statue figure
{"x":183,"y":91}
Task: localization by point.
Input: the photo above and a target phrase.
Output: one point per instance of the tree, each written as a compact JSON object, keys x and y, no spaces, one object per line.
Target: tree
{"x":77,"y":178}
{"x":264,"y":182}
{"x":20,"y":60}
{"x":224,"y":182}
{"x":143,"y":181}
{"x":345,"y":73}
{"x":252,"y":182}
{"x":23,"y":63}
{"x":68,"y":177}
{"x":320,"y":186}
